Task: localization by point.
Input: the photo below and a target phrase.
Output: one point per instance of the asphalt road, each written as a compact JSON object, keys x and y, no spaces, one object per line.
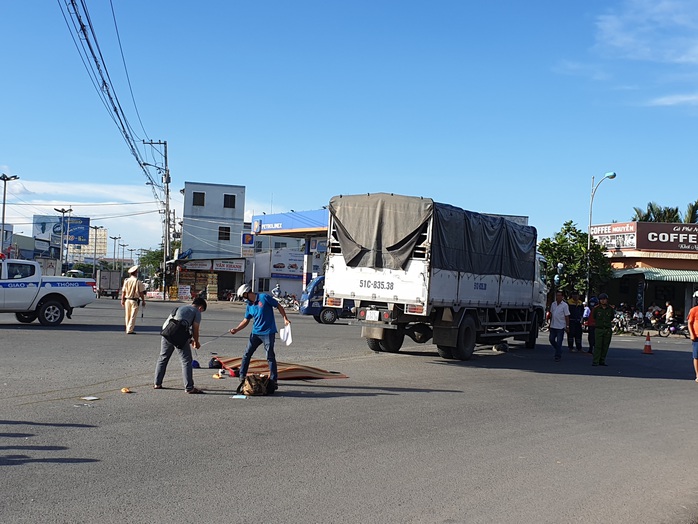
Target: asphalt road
{"x":505,"y":438}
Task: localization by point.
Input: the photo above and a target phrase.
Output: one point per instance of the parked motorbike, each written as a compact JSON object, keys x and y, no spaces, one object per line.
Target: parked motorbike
{"x":674,"y":328}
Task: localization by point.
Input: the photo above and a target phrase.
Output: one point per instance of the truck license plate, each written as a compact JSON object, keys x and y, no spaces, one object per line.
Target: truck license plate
{"x":372,"y":315}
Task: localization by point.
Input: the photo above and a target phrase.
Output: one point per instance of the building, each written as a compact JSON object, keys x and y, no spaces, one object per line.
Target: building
{"x":652,"y":262}
{"x":212,"y":227}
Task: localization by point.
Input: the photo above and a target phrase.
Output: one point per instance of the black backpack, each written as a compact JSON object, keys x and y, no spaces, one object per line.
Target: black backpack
{"x":176,"y":332}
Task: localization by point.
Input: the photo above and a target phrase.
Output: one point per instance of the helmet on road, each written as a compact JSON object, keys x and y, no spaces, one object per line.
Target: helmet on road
{"x":243,"y":290}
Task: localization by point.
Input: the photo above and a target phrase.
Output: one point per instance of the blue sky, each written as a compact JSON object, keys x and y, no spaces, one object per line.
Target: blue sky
{"x":500,"y":107}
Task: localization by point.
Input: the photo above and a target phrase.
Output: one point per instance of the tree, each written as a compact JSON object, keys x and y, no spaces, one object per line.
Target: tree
{"x":657,"y":213}
{"x":569,"y":247}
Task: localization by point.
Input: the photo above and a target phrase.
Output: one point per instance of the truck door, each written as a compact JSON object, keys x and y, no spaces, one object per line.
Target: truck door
{"x":20,"y":285}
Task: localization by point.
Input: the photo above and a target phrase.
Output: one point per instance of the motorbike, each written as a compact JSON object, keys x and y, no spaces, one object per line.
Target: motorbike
{"x":674,"y":328}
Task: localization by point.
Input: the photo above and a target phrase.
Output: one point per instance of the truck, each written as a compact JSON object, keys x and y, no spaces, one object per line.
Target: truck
{"x":108,"y":283}
{"x":312,"y":303}
{"x":28,"y":294}
{"x":433,"y":271}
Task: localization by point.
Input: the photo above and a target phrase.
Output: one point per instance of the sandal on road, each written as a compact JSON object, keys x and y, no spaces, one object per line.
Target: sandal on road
{"x":195,"y":391}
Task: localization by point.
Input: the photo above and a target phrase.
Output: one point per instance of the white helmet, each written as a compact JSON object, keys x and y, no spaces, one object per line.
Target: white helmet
{"x":245,"y":288}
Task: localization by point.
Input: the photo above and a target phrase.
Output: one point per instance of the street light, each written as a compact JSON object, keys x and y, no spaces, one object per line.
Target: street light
{"x":62,"y":211}
{"x":94,"y":260}
{"x":5,"y":179}
{"x":610,"y":175}
{"x":114,"y":259}
{"x":123,"y":255}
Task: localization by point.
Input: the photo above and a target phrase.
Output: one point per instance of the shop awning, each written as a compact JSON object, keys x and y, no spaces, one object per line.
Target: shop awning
{"x":665,"y":275}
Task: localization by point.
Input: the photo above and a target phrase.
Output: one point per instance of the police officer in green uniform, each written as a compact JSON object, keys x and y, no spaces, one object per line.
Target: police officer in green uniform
{"x":603,"y":316}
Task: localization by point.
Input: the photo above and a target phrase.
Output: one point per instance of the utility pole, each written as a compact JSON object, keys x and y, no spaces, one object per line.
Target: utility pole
{"x":94,"y":260}
{"x":114,"y":258}
{"x":63,"y":211}
{"x":166,"y":236}
{"x":123,"y":256}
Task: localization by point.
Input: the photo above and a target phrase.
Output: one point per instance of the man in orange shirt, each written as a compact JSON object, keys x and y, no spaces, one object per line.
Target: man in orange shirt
{"x":693,"y":330}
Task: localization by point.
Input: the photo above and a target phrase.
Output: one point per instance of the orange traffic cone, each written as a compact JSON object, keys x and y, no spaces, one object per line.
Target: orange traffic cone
{"x":648,"y":346}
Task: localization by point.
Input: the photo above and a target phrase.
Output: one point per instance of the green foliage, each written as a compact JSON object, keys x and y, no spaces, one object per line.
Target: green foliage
{"x":569,"y":247}
{"x":657,"y":213}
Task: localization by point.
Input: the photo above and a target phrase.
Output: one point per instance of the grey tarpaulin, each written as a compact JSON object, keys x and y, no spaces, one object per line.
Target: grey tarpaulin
{"x":381,"y":230}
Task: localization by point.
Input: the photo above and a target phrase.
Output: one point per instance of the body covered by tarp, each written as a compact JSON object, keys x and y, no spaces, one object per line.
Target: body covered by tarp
{"x":381,"y":231}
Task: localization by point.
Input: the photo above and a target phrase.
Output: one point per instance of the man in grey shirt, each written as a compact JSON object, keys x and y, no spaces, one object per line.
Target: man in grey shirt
{"x":192,"y":316}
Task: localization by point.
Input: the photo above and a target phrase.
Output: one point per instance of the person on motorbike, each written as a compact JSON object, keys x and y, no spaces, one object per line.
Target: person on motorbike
{"x":276,"y":292}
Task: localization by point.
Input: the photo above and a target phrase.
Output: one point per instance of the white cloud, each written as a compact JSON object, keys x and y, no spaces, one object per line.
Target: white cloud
{"x":651,"y":30}
{"x":675,"y":100}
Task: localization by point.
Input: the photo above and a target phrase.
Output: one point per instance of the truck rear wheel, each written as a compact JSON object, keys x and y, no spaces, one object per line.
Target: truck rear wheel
{"x":533,"y":333}
{"x":374,"y":344}
{"x":445,"y":352}
{"x":328,"y":315}
{"x":392,"y":340}
{"x":466,"y":339}
{"x":26,"y":318}
{"x":51,"y":313}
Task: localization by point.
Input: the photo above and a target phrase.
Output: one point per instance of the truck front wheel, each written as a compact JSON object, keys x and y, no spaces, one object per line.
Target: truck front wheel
{"x":328,"y":315}
{"x":51,"y":313}
{"x":26,"y":318}
{"x":466,"y":339}
{"x":533,"y":333}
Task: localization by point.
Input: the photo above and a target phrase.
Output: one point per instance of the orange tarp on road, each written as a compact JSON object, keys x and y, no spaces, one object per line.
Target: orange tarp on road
{"x":286,"y":371}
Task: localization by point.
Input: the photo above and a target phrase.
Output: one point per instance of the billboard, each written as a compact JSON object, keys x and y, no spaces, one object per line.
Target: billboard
{"x":48,"y":227}
{"x":287,"y":264}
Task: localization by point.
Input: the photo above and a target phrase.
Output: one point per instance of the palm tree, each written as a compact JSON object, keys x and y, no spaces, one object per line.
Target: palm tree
{"x":657,"y":213}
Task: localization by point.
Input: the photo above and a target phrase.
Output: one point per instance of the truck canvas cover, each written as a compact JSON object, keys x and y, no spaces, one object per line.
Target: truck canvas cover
{"x":381,"y":230}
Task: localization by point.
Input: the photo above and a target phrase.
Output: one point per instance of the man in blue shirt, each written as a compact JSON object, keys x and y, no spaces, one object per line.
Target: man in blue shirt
{"x":260,"y":309}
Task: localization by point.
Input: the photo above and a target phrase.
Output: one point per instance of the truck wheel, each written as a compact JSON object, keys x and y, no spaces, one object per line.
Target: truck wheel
{"x":533,"y":333}
{"x":374,"y":344}
{"x":51,"y":313}
{"x":445,"y":352}
{"x":392,"y":340}
{"x":317,"y":319}
{"x":26,"y":318}
{"x":466,"y":339}
{"x":328,"y":315}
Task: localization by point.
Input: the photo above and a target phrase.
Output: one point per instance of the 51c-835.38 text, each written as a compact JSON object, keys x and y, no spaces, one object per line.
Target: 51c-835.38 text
{"x":376,"y":284}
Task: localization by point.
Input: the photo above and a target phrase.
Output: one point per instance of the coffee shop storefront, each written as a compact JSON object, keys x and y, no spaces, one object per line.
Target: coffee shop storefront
{"x":652,"y":263}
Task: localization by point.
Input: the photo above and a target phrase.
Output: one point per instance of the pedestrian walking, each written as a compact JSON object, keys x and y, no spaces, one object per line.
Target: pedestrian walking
{"x":591,"y":325}
{"x":132,"y":294}
{"x":603,"y":318}
{"x":260,"y":310}
{"x":192,"y":316}
{"x":574,"y":336}
{"x":693,"y":331}
{"x":559,"y":324}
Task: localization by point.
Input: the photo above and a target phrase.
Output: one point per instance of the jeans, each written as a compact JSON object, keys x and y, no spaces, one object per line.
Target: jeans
{"x":166,"y":350}
{"x":254,"y":342}
{"x":556,"y":338}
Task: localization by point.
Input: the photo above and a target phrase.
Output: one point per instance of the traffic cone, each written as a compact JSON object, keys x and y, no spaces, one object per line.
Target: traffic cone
{"x":648,"y":346}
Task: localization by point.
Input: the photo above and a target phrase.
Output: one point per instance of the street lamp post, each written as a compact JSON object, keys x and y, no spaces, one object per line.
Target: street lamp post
{"x":114,"y":259}
{"x":5,"y":179}
{"x":610,"y":175}
{"x":62,"y":211}
{"x":123,"y":255}
{"x":94,"y":260}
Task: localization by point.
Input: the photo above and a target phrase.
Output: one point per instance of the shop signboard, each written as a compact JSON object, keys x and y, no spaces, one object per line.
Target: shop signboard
{"x":237,"y":266}
{"x":620,"y":235}
{"x":198,"y":265}
{"x":669,"y":238}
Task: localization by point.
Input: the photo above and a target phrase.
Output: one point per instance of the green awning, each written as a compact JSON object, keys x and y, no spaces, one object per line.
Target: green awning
{"x":666,"y":275}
